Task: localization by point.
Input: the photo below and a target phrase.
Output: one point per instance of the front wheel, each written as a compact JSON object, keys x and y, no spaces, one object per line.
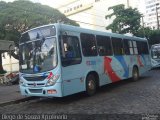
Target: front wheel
{"x":135,"y":74}
{"x":91,"y":85}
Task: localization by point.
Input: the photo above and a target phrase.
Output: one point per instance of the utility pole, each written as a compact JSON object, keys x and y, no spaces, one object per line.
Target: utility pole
{"x":143,"y":26}
{"x":157,"y":16}
{"x":128,"y":3}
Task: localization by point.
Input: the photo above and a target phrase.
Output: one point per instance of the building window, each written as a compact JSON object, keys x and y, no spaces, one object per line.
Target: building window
{"x":97,"y":0}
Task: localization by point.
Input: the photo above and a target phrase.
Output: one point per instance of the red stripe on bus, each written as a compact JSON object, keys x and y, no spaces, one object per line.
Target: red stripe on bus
{"x":108,"y":69}
{"x":139,"y":61}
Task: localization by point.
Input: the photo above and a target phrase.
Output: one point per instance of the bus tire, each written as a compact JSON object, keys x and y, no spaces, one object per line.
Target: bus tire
{"x":135,"y":74}
{"x":91,"y":85}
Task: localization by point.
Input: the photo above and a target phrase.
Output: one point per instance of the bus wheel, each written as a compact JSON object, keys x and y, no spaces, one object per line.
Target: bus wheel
{"x":135,"y":74}
{"x":90,"y":85}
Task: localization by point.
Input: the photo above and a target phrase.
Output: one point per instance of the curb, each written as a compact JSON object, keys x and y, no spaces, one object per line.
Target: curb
{"x":17,"y":101}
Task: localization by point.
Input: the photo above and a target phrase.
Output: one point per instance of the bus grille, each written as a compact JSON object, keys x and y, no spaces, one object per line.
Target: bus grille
{"x":38,"y":84}
{"x":35,"y":90}
{"x":36,"y":78}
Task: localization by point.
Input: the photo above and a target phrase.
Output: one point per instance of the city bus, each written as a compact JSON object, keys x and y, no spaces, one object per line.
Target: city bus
{"x":155,"y":55}
{"x":57,"y":60}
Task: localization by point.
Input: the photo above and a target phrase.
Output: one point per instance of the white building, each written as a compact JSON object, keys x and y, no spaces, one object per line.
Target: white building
{"x":91,"y":13}
{"x":151,"y":13}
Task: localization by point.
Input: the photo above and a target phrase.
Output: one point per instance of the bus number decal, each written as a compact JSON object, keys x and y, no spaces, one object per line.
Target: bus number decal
{"x":91,"y":62}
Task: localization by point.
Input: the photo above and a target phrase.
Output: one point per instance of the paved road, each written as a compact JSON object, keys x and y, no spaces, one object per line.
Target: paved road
{"x":138,"y":97}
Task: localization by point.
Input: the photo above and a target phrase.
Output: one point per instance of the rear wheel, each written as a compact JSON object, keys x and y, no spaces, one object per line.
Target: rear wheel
{"x":135,"y":74}
{"x":91,"y":85}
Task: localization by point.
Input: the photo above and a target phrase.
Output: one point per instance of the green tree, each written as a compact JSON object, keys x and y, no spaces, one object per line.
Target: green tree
{"x":127,"y":20}
{"x":19,"y":16}
{"x":153,"y":36}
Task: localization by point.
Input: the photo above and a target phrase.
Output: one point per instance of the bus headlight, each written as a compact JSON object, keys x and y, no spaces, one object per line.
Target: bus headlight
{"x":52,"y":80}
{"x":22,"y":83}
{"x":154,"y":62}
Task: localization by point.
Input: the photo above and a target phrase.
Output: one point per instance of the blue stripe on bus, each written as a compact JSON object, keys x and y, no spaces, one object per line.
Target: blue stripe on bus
{"x":123,"y":63}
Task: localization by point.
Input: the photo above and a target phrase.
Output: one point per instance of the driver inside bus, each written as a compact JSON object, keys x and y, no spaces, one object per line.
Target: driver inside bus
{"x":69,"y":53}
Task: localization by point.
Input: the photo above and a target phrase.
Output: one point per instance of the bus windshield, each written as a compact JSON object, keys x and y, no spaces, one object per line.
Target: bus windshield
{"x":38,"y":52}
{"x":155,"y":52}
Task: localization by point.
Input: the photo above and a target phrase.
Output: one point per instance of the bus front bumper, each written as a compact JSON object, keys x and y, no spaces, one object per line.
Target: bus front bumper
{"x":45,"y":91}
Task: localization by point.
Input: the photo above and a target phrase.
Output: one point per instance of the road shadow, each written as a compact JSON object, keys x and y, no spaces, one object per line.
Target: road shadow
{"x":156,"y":68}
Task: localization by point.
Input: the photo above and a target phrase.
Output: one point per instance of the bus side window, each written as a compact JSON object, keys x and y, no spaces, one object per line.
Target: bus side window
{"x":88,"y":42}
{"x":72,"y":54}
{"x":131,"y":47}
{"x":126,"y":46}
{"x":142,"y":47}
{"x":117,"y":46}
{"x":104,"y":45}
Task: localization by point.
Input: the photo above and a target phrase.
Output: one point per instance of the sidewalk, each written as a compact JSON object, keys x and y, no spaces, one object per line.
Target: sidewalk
{"x":10,"y":94}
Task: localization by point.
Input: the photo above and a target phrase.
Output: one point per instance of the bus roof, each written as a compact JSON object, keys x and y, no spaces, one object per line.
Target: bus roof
{"x":84,"y":30}
{"x":75,"y":28}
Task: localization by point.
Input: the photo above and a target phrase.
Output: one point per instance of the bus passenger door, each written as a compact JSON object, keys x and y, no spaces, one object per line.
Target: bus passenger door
{"x":71,"y":64}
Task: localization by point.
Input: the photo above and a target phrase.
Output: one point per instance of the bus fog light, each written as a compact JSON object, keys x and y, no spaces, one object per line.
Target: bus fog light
{"x":51,"y":91}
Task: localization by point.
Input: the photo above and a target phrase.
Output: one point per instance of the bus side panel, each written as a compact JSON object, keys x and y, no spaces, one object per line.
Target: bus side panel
{"x":141,"y":61}
{"x":116,"y":67}
{"x":121,"y":66}
{"x":73,"y":79}
{"x":144,"y":63}
{"x":100,"y":68}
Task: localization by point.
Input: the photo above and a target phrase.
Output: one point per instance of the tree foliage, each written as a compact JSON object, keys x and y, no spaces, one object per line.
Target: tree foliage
{"x":19,"y":16}
{"x":126,"y":20}
{"x":153,"y":36}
